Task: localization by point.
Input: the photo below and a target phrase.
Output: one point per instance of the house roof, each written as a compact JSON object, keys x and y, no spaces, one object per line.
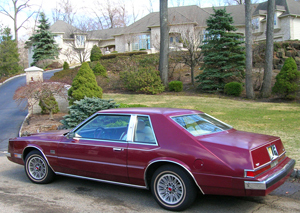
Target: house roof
{"x":290,"y":7}
{"x":179,"y":15}
{"x":65,"y":28}
{"x":106,"y":33}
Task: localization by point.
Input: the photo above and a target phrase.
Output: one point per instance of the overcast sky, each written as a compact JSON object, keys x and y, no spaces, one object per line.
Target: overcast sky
{"x":82,"y":8}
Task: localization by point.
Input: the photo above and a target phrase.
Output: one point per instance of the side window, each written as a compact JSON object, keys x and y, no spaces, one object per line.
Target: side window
{"x":105,"y":127}
{"x":143,"y":131}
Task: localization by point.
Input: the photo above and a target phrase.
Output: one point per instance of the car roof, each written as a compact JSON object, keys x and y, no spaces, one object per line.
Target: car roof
{"x":151,"y":111}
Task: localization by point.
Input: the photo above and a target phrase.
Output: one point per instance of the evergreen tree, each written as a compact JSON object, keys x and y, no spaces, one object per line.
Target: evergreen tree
{"x":288,"y":80}
{"x":9,"y":56}
{"x":224,"y":58}
{"x":95,"y":53}
{"x":43,"y":42}
{"x":100,"y":70}
{"x":84,"y":85}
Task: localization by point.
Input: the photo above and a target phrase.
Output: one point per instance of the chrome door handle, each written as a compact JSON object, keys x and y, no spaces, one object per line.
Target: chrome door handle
{"x":118,"y":149}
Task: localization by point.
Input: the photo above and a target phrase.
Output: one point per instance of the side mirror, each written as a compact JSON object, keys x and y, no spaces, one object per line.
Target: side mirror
{"x":70,"y":135}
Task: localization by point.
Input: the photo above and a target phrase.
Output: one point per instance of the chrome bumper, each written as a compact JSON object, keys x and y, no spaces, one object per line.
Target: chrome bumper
{"x":263,"y":185}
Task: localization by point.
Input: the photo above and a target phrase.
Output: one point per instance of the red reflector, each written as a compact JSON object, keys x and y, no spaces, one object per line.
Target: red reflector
{"x":250,"y":173}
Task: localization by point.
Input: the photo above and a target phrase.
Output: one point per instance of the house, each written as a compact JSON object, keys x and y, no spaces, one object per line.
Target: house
{"x":144,"y":34}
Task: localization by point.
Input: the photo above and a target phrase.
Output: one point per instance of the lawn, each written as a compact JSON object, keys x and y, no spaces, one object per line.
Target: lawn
{"x":280,"y":119}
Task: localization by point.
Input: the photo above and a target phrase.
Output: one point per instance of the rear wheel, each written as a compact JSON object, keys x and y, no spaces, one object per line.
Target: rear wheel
{"x":173,"y":188}
{"x":37,"y":168}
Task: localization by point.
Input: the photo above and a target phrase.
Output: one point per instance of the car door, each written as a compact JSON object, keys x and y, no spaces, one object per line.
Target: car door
{"x":98,"y":149}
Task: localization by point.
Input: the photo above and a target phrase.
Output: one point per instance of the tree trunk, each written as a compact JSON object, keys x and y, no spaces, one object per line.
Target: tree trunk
{"x":266,"y":86}
{"x":164,"y":42}
{"x":248,"y":43}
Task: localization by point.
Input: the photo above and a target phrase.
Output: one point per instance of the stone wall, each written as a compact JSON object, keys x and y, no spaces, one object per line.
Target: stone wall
{"x":282,"y":51}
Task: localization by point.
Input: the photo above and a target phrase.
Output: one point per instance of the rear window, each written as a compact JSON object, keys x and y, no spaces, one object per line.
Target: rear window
{"x":201,"y":124}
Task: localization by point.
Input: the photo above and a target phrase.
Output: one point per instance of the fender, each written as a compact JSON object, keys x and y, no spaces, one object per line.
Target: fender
{"x":40,"y":150}
{"x":174,"y":161}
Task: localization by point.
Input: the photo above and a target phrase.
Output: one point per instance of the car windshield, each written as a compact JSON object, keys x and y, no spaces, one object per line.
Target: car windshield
{"x":200,"y":124}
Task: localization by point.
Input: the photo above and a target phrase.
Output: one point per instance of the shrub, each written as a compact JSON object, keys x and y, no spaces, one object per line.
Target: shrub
{"x":50,"y":101}
{"x":287,"y":80}
{"x":176,"y":86}
{"x":233,"y":88}
{"x":108,"y":56}
{"x":100,"y":70}
{"x":66,"y":66}
{"x":145,"y":80}
{"x":84,"y":108}
{"x":96,"y":53}
{"x":84,"y":84}
{"x":65,"y":76}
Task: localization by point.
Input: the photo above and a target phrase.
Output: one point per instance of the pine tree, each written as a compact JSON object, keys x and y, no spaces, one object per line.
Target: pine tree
{"x":9,"y":56}
{"x":224,"y":58}
{"x":95,"y":53}
{"x":84,"y":85}
{"x":43,"y":42}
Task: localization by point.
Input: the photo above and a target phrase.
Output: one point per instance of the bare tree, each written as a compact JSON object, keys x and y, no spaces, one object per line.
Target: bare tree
{"x":266,"y":86}
{"x":192,"y":42}
{"x":64,"y":11}
{"x":18,"y":8}
{"x":135,"y":14}
{"x":36,"y":92}
{"x":111,"y":13}
{"x":248,"y":44}
{"x":150,"y":6}
{"x":164,"y":42}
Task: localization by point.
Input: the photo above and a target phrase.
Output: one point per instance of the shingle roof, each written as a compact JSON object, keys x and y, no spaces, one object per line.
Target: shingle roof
{"x":63,"y":27}
{"x":106,"y":33}
{"x":291,"y":7}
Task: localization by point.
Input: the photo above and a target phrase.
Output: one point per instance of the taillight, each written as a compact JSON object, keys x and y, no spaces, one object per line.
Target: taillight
{"x":254,"y":173}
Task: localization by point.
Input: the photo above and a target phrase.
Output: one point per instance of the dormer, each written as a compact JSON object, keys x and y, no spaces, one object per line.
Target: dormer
{"x":80,"y":39}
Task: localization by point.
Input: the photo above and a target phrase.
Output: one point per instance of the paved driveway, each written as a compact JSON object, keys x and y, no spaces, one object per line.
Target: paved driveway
{"x":12,"y":115}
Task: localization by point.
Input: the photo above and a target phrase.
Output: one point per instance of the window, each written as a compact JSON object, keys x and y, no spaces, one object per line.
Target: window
{"x":200,"y":124}
{"x":105,"y":127}
{"x":58,"y":40}
{"x":255,"y":24}
{"x":143,"y":43}
{"x":80,"y":40}
{"x":143,"y":131}
{"x":171,"y":39}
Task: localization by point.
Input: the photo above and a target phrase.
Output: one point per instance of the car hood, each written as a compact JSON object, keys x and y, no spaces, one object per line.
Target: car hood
{"x":238,"y":139}
{"x":54,"y":135}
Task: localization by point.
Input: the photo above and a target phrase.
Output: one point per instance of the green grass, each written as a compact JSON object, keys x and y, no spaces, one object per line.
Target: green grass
{"x":279,"y":119}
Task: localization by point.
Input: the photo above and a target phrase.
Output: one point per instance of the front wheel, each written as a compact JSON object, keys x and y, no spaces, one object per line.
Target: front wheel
{"x":173,"y":188}
{"x":37,"y":168}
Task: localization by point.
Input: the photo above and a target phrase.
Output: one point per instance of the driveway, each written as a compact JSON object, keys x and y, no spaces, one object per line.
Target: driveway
{"x":12,"y":115}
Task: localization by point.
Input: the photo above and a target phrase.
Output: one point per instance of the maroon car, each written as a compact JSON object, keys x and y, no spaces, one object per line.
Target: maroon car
{"x":175,"y":152}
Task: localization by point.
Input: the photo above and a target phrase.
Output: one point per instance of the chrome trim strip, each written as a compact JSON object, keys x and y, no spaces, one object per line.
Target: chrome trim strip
{"x":95,"y":162}
{"x":7,"y":154}
{"x":101,"y":180}
{"x":264,"y":165}
{"x":174,"y":163}
{"x":94,"y":139}
{"x":263,"y":185}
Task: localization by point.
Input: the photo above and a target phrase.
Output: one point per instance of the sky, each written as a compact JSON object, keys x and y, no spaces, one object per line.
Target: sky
{"x":83,"y":8}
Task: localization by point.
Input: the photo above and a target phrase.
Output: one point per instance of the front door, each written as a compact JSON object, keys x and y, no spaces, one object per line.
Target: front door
{"x":98,"y":150}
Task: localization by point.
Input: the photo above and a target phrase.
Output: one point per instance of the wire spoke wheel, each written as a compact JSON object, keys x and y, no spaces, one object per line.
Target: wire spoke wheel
{"x":170,"y":189}
{"x":173,"y":188}
{"x":37,"y":168}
